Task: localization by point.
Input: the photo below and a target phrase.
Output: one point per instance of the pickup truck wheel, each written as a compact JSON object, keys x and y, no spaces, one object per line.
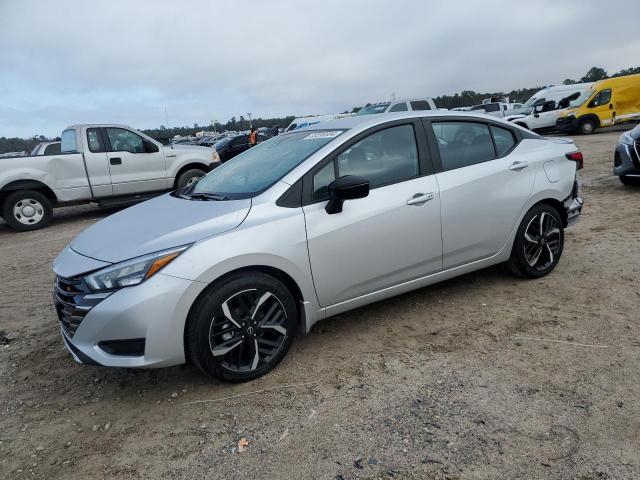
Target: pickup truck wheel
{"x":27,"y":210}
{"x":188,"y":177}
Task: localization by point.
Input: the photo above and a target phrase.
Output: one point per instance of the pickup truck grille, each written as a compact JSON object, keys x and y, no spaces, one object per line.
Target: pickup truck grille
{"x":73,"y":300}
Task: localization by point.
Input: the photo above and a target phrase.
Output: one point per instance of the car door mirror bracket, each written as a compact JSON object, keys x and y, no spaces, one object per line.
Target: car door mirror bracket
{"x":348,"y":187}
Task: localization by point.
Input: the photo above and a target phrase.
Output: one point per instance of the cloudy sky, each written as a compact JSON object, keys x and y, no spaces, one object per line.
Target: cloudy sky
{"x":126,"y":61}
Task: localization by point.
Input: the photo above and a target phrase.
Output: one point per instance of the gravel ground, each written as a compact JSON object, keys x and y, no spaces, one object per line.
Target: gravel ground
{"x":483,"y":376}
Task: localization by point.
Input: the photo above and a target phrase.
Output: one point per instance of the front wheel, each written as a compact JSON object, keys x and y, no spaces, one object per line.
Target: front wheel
{"x":538,"y":244}
{"x":189,"y":177}
{"x":586,"y":127}
{"x":241,"y":328}
{"x":27,"y":210}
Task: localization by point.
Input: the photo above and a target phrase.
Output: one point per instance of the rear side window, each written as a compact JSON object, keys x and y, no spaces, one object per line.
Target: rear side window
{"x":399,"y":107}
{"x":94,"y":140}
{"x":420,"y":105}
{"x":68,"y":141}
{"x":241,"y":140}
{"x":462,"y":144}
{"x":503,"y":139}
{"x":491,"y":107}
{"x":53,"y":149}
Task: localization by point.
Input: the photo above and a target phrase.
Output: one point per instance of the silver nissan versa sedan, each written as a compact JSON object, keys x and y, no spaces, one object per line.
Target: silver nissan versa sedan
{"x":227,"y":271}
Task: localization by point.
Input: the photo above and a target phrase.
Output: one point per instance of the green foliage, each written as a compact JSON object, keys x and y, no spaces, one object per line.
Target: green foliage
{"x":568,"y":81}
{"x":594,"y":74}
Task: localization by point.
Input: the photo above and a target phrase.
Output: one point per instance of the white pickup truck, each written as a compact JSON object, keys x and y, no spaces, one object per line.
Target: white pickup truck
{"x":108,"y":164}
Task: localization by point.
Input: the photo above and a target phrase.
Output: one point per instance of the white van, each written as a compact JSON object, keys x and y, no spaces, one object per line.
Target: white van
{"x":541,"y":111}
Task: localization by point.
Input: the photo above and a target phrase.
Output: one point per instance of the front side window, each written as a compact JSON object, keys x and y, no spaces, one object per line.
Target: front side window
{"x":258,"y":168}
{"x":68,"y":141}
{"x":603,"y":98}
{"x":399,"y":107}
{"x":124,"y":141}
{"x":491,"y":107}
{"x":94,"y":140}
{"x":463,"y":143}
{"x":384,"y":157}
{"x":420,"y":105}
{"x":321,"y":181}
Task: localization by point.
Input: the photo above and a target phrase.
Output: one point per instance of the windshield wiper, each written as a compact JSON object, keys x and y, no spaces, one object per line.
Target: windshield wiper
{"x":206,"y":196}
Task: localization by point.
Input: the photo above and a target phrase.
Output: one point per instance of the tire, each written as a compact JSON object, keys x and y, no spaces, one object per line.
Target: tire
{"x":629,"y":180}
{"x":242,"y":296}
{"x":189,"y":176}
{"x":586,"y":127}
{"x":525,"y":261}
{"x":27,"y":210}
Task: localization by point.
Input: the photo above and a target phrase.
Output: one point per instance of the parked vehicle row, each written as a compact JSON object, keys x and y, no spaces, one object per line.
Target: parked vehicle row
{"x":108,"y":164}
{"x":305,"y":226}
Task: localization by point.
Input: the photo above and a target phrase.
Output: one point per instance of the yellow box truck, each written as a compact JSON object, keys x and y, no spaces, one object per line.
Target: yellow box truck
{"x":608,"y":102}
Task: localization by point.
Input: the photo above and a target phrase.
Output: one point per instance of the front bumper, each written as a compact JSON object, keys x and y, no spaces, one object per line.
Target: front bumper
{"x":567,"y":124}
{"x":140,"y":327}
{"x":627,"y":159}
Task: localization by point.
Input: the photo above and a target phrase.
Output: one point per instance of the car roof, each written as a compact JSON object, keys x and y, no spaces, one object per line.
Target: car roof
{"x":372,"y":120}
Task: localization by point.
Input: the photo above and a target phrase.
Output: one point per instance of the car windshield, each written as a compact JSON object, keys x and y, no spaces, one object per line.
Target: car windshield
{"x":584,"y":96}
{"x":373,"y":109}
{"x":261,"y":166}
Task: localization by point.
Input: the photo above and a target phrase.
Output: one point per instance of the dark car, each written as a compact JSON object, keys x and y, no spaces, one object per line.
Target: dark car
{"x":229,"y":147}
{"x":626,"y":162}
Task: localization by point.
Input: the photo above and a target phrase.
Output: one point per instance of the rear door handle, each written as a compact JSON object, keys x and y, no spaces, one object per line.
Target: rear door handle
{"x":115,"y":161}
{"x":420,"y":198}
{"x":517,"y":166}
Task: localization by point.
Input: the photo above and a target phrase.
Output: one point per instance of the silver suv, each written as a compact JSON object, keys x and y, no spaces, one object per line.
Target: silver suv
{"x":225,"y":272}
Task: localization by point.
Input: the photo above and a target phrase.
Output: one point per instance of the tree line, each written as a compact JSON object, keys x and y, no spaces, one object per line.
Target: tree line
{"x":466,"y":98}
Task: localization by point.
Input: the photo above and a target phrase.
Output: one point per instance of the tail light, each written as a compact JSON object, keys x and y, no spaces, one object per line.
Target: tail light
{"x":576,"y":157}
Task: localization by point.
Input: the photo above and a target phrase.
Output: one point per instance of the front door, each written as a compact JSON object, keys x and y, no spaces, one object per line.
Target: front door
{"x":389,"y":237}
{"x":602,"y":106}
{"x":134,"y":165}
{"x":484,"y":185}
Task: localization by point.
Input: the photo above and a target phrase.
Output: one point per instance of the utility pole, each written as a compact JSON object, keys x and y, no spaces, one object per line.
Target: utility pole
{"x":249,"y":115}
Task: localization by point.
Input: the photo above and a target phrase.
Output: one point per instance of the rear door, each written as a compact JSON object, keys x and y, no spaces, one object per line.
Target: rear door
{"x":484,"y":185}
{"x":135,"y":165}
{"x":389,"y":237}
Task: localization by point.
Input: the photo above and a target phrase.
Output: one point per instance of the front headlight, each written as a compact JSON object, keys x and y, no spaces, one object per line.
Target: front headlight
{"x":626,"y":138}
{"x":132,"y":272}
{"x":571,"y":115}
{"x":215,"y":157}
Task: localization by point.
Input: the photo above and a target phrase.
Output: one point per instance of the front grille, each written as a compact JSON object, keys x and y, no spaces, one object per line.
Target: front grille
{"x":636,"y":161}
{"x":73,"y":300}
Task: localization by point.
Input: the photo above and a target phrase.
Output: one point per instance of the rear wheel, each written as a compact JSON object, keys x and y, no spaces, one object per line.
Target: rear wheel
{"x":27,"y":210}
{"x":538,"y":244}
{"x":189,"y":177}
{"x":241,"y":329}
{"x":586,"y":127}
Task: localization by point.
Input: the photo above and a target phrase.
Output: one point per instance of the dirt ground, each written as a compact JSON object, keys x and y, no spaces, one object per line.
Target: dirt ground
{"x":484,"y":376}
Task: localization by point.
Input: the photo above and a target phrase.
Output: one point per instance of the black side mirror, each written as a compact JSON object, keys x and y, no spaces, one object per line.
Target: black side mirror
{"x":348,"y":187}
{"x":150,"y":147}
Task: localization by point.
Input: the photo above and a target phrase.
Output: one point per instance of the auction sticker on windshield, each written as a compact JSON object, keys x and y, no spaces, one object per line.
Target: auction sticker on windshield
{"x":316,"y":135}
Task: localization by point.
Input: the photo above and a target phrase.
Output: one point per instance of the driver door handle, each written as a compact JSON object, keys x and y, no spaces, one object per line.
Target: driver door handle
{"x":420,"y":198}
{"x":517,"y":166}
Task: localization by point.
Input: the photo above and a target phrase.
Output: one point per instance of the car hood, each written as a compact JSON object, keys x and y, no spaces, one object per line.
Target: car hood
{"x":181,"y":146}
{"x":161,"y":223}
